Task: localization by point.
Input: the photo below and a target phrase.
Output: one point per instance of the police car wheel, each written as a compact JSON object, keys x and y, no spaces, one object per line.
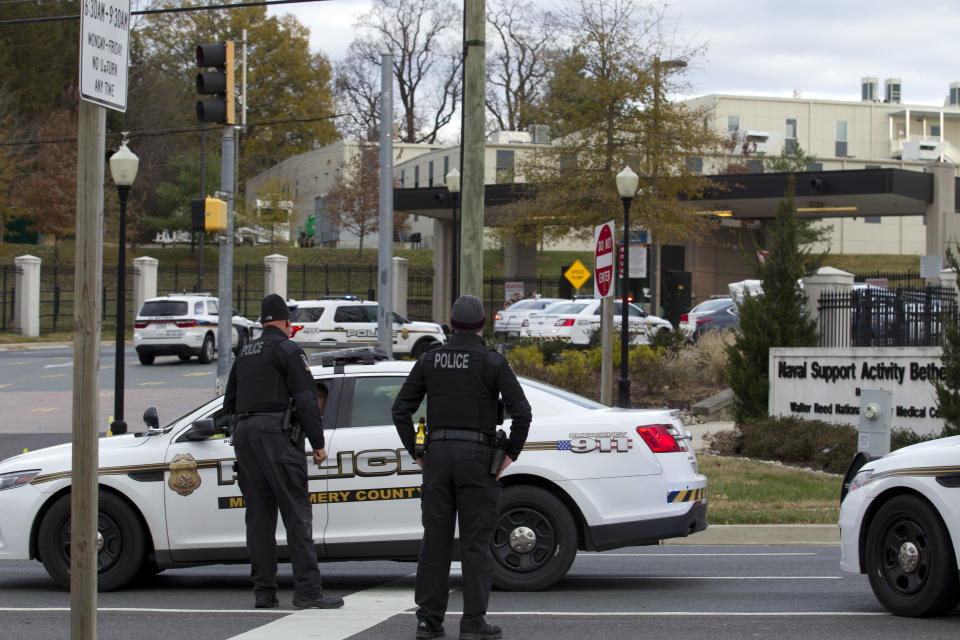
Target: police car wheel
{"x":145,"y":358}
{"x":910,"y":560}
{"x":207,"y":352}
{"x":184,"y":356}
{"x":120,"y":542}
{"x":534,"y":542}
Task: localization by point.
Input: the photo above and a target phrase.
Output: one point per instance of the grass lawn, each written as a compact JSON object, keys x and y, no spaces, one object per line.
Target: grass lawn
{"x":744,"y":491}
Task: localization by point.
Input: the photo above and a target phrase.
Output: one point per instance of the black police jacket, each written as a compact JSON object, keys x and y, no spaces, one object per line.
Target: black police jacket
{"x":266,"y":374}
{"x":462,"y":381}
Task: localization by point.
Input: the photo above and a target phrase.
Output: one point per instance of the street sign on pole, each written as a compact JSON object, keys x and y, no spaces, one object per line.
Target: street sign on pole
{"x":104,"y":52}
{"x":577,"y":274}
{"x":603,"y":260}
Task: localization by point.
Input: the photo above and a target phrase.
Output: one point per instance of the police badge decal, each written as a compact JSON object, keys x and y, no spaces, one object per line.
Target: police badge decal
{"x":184,"y":478}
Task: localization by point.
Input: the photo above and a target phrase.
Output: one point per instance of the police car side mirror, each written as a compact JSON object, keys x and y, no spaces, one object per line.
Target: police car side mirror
{"x":151,"y":418}
{"x":201,"y":429}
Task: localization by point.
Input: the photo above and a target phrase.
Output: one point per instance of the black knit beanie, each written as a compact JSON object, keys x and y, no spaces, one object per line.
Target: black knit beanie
{"x":273,"y":308}
{"x":467,"y":314}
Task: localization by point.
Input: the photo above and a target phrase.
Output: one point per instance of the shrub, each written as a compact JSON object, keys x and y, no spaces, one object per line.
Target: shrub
{"x":711,"y":354}
{"x":789,"y":439}
{"x":526,"y":360}
{"x":674,"y":341}
{"x":571,"y":372}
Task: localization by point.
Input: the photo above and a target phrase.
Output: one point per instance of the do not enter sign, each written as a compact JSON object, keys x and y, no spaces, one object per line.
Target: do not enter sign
{"x":603,"y":261}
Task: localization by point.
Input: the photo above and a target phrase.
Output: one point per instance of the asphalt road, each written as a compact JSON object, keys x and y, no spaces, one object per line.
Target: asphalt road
{"x":37,"y":397}
{"x":719,"y":592}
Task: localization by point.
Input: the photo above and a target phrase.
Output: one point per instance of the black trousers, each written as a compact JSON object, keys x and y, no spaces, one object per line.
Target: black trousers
{"x":272,"y":474}
{"x":457,"y":486}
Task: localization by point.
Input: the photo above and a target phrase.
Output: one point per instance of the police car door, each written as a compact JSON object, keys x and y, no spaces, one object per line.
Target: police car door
{"x":374,"y":484}
{"x":204,"y":506}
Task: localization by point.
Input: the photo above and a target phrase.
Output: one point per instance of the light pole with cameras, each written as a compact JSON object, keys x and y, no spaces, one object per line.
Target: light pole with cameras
{"x":123,"y":168}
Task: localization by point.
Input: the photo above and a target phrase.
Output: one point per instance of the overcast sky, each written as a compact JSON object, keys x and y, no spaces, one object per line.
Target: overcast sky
{"x":770,"y":47}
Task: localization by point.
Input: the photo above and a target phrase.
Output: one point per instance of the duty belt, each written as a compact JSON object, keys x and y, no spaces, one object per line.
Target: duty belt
{"x":265,"y":414}
{"x":461,"y":434}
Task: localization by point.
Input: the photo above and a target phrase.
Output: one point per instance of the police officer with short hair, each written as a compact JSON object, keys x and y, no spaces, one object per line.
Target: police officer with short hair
{"x":272,"y":470}
{"x":463,"y":381}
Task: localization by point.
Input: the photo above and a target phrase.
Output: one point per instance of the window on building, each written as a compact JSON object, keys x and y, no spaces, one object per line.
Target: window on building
{"x":416,"y":176}
{"x":872,"y":219}
{"x":841,"y":143}
{"x":814,"y":166}
{"x":754,"y":166}
{"x":430,"y":174}
{"x":733,"y":124}
{"x":790,"y":135}
{"x":505,"y":173}
{"x":934,"y":131}
{"x":446,"y":167}
{"x":403,"y":177}
{"x":695,"y":165}
{"x":872,"y":166}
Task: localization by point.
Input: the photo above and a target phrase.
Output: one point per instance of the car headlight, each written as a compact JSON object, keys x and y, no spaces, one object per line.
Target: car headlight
{"x":860,"y":479}
{"x":16,"y":479}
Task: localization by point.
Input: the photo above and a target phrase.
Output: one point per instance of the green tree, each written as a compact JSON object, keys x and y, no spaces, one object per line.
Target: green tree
{"x":773,"y":318}
{"x":948,"y":388}
{"x":607,"y":103}
{"x":794,"y":159}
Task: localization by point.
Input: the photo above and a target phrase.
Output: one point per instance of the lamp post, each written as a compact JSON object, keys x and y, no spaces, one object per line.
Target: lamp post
{"x":627,"y":182}
{"x":123,"y":168}
{"x":453,"y":185}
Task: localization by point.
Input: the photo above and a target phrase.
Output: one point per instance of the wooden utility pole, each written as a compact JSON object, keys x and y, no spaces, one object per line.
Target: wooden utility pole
{"x":385,"y":236}
{"x":88,"y":280}
{"x":472,"y":200}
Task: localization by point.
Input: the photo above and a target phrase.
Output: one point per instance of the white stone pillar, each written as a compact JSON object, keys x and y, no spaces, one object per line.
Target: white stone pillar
{"x":26,"y":305}
{"x":834,"y":281}
{"x":275,"y":280}
{"x":144,"y":281}
{"x":401,"y":270}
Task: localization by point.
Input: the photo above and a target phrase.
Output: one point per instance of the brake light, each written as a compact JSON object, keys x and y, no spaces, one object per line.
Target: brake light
{"x":659,"y":438}
{"x":497,"y":316}
{"x":568,"y":322}
{"x":684,"y":318}
{"x":183,"y":324}
{"x":140,"y":325}
{"x":525,"y":323}
{"x":701,"y":321}
{"x":294,"y":328}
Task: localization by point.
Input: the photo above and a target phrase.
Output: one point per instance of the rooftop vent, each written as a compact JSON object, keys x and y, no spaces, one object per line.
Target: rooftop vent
{"x":953,"y":100}
{"x":869,"y":88}
{"x":891,"y":91}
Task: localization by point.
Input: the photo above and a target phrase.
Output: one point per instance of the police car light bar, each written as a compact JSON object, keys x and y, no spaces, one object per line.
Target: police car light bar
{"x":354,"y":355}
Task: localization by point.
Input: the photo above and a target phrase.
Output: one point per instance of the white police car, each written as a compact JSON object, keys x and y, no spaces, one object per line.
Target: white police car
{"x":900,"y":524}
{"x":331,"y":322}
{"x":574,"y":321}
{"x":184,"y":326}
{"x":590,"y":477}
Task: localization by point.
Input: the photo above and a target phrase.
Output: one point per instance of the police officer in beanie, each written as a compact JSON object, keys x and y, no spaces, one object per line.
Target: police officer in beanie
{"x":272,"y":470}
{"x":463,"y":381}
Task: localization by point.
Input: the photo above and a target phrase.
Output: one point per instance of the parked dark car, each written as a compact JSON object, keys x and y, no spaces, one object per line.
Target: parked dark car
{"x":715,"y":314}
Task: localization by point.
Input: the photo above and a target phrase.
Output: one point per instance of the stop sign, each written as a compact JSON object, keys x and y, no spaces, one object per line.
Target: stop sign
{"x":603,"y":260}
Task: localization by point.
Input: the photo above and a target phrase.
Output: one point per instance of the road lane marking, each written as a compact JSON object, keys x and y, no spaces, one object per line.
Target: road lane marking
{"x":145,"y":384}
{"x":54,"y":366}
{"x":275,"y":612}
{"x":4,"y":386}
{"x":320,"y":613}
{"x":53,"y":375}
{"x":42,"y":410}
{"x":602,"y":577}
{"x":653,"y":614}
{"x":589,"y":554}
{"x":199,"y":373}
{"x":361,"y":611}
{"x":13,"y":364}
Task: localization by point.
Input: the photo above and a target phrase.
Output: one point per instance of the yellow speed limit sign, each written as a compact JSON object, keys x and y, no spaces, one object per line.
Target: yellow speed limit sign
{"x":577,"y":274}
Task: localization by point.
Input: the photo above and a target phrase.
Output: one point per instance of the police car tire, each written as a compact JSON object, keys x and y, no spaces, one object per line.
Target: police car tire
{"x":119,"y":559}
{"x":556,"y":540}
{"x":145,"y":358}
{"x":207,"y":352}
{"x":184,"y":356}
{"x":933,"y":587}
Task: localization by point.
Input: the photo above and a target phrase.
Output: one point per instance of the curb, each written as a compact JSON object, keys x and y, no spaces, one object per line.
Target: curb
{"x":763,"y":534}
{"x":32,"y":346}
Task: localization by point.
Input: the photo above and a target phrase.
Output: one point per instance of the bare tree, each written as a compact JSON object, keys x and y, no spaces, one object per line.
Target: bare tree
{"x":520,"y":45}
{"x":422,"y":36}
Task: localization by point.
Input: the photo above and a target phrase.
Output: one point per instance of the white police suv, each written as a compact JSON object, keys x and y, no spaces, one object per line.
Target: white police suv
{"x":590,"y":477}
{"x":900,"y":524}
{"x":184,"y":326}
{"x":334,"y":321}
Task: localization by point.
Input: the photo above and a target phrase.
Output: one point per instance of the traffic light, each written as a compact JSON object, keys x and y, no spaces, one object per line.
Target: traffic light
{"x":217,"y":83}
{"x":208,"y":214}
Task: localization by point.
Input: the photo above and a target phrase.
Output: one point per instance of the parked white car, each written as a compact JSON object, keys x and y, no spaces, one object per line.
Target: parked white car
{"x":900,"y":524}
{"x":330,"y":322}
{"x":184,"y":326}
{"x":590,"y":477}
{"x":574,"y":321}
{"x":507,"y":322}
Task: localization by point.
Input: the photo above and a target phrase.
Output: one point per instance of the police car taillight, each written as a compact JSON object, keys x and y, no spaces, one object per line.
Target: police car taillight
{"x":140,"y":325}
{"x":659,"y":438}
{"x":497,"y":316}
{"x":294,"y":328}
{"x":685,"y":318}
{"x":183,"y":324}
{"x":564,"y":322}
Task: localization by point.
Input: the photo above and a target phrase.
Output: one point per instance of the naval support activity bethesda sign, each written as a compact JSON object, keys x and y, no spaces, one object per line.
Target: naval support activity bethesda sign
{"x":825,"y":384}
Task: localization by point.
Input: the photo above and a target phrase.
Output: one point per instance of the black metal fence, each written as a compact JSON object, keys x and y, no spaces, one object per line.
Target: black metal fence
{"x":892,"y":279}
{"x":877,"y":317}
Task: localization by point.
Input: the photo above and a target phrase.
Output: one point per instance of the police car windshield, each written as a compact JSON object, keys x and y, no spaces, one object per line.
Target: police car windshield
{"x":550,"y":404}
